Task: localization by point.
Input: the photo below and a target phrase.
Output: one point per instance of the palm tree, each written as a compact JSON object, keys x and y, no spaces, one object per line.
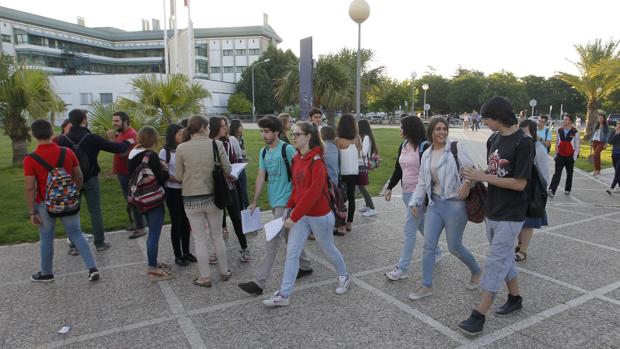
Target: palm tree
{"x":172,"y":98}
{"x":25,"y":94}
{"x":100,"y":119}
{"x":598,"y":77}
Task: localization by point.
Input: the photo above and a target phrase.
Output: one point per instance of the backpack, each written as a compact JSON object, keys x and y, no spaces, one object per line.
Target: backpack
{"x":421,"y":148}
{"x":565,"y":148}
{"x":537,"y":192}
{"x":475,"y":202}
{"x":62,"y":197}
{"x":289,"y":174}
{"x":85,"y":164}
{"x":336,"y":195}
{"x":145,"y":192}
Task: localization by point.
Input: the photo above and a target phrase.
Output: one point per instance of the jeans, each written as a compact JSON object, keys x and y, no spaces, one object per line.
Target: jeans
{"x":93,"y":199}
{"x":597,"y":146}
{"x":367,"y":197}
{"x":411,"y":225}
{"x":451,"y":215}
{"x":179,"y":229}
{"x":560,"y":163}
{"x":155,"y":218}
{"x":322,"y":227}
{"x":138,"y":220}
{"x":74,"y":232}
{"x":500,"y":265}
{"x":615,"y":158}
{"x":349,"y":182}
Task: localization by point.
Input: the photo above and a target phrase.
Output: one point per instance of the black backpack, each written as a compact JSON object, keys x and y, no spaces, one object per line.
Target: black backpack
{"x":289,"y":174}
{"x":537,"y":192}
{"x":85,"y":164}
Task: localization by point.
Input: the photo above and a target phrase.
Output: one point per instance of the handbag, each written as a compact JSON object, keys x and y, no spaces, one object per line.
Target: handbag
{"x":537,"y":191}
{"x":373,"y":161}
{"x":221,"y":193}
{"x":476,"y":201}
{"x":362,"y":175}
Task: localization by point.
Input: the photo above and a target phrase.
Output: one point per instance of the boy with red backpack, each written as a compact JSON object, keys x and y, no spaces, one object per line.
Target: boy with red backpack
{"x":51,"y":188}
{"x":567,"y":151}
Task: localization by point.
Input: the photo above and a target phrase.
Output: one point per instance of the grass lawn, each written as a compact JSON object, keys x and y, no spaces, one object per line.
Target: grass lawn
{"x":14,"y":221}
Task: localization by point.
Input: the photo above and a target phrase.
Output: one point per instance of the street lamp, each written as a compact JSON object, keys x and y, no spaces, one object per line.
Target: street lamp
{"x":413,"y":76}
{"x":359,"y":11}
{"x":254,"y":107}
{"x":425,"y":87}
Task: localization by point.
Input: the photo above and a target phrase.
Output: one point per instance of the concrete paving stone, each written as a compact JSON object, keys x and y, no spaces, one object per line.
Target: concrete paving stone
{"x":517,"y":341}
{"x":614,"y":294}
{"x":317,"y":317}
{"x":586,"y":183}
{"x":163,"y":335}
{"x":606,"y":233}
{"x":35,"y":312}
{"x":578,"y":327}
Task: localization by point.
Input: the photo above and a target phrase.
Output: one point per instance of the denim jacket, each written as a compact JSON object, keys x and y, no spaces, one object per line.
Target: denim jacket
{"x":447,"y":172}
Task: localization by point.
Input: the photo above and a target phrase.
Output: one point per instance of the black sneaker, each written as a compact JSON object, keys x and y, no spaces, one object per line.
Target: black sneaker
{"x":190,"y":258}
{"x":131,"y":228}
{"x":251,"y":288}
{"x":301,"y":273}
{"x":42,"y":278}
{"x":103,"y":247}
{"x":514,"y":303}
{"x":93,"y":274}
{"x":474,"y":324}
{"x":136,"y":234}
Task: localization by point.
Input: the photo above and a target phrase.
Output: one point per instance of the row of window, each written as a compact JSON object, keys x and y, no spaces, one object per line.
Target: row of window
{"x":87,"y":98}
{"x":242,"y":52}
{"x":227,"y":69}
{"x":6,"y":38}
{"x":80,"y":65}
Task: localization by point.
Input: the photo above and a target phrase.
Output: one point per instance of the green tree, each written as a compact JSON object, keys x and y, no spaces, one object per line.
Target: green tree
{"x":465,"y":91}
{"x":599,"y":75}
{"x":238,"y":104}
{"x":100,"y":119}
{"x":507,"y":85}
{"x":436,"y":95}
{"x":560,"y":93}
{"x":25,"y":94}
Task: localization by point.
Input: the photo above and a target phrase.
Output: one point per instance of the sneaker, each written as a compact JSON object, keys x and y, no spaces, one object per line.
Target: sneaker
{"x":609,"y":191}
{"x":617,"y":189}
{"x":93,"y":274}
{"x":343,"y":284}
{"x":105,"y":246}
{"x":370,"y":212}
{"x":136,"y":234}
{"x":421,"y":293}
{"x":473,"y":283}
{"x":251,"y":288}
{"x":212,"y":259}
{"x":276,"y":301}
{"x":550,"y":193}
{"x":131,"y":228}
{"x":566,"y":192}
{"x":474,"y":324}
{"x":514,"y":303}
{"x":88,"y":237}
{"x":73,"y":251}
{"x":190,"y":258}
{"x":244,"y":255}
{"x":301,"y":273}
{"x":363,"y":209}
{"x":42,"y":278}
{"x":396,"y":274}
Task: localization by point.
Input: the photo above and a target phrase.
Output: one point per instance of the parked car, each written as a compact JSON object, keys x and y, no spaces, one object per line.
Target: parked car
{"x":612,"y":120}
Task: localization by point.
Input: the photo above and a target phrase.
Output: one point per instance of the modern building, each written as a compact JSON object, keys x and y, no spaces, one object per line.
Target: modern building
{"x":68,"y":50}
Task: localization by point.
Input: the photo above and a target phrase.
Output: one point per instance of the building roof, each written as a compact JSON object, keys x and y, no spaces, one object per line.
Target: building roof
{"x":115,"y":34}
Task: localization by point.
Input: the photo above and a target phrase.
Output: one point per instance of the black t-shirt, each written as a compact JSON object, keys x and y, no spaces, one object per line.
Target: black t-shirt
{"x":509,"y":157}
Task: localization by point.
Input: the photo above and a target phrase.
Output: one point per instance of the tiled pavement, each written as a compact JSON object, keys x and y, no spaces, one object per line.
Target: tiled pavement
{"x":570,"y":283}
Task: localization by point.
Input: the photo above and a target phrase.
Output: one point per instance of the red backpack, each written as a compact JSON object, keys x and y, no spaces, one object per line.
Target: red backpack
{"x":145,"y":192}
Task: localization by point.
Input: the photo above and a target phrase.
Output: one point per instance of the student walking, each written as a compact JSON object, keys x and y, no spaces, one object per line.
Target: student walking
{"x":142,"y":158}
{"x":369,"y":151}
{"x":567,"y":152}
{"x":331,"y":156}
{"x":179,"y":230}
{"x":275,"y":168}
{"x":600,"y":134}
{"x":350,"y":147}
{"x":309,"y":213}
{"x":195,"y":161}
{"x":44,"y":170}
{"x":510,"y":155}
{"x":614,"y":141}
{"x":543,"y":133}
{"x":441,"y":183}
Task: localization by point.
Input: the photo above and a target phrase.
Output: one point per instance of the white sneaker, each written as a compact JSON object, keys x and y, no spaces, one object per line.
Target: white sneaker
{"x":609,"y":191}
{"x":276,"y":301}
{"x":617,"y":189}
{"x":343,"y":284}
{"x":420,"y":293}
{"x":363,"y":209}
{"x":370,"y":212}
{"x":396,"y":274}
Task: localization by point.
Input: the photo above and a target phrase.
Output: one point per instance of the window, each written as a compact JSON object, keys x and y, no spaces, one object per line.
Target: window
{"x":85,"y":98}
{"x":105,"y":98}
{"x":216,"y":69}
{"x":240,"y":69}
{"x":22,"y":38}
{"x":227,"y":52}
{"x":241,"y":52}
{"x":254,"y":52}
{"x":202,"y":67}
{"x":229,"y":69}
{"x":6,"y":38}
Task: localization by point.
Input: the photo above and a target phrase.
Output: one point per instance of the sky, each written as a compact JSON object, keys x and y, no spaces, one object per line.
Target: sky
{"x":521,"y":36}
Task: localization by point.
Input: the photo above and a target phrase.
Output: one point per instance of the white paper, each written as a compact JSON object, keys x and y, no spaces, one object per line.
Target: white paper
{"x":237,"y":168}
{"x":64,"y":329}
{"x":273,"y":228}
{"x":251,"y":222}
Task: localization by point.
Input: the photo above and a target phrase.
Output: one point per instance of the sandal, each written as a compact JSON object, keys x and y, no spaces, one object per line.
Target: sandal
{"x":155,"y":276}
{"x":520,"y":256}
{"x":197,"y":282}
{"x":164,"y":266}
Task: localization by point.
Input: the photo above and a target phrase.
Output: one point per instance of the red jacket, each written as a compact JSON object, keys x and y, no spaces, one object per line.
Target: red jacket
{"x":309,"y":196}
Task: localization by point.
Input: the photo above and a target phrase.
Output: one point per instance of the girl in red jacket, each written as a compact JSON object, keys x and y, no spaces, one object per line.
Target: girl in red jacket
{"x":310,"y":212}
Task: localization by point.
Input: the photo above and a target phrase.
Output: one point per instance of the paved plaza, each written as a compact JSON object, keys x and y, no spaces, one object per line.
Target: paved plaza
{"x":570,"y":283}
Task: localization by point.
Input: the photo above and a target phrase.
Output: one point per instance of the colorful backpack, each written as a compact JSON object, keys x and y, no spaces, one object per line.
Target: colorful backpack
{"x":145,"y":192}
{"x":62,"y":197}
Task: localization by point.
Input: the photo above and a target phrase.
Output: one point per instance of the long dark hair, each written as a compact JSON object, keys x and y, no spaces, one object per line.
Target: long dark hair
{"x":215,"y":124}
{"x":194,"y":125}
{"x":313,"y":131}
{"x":171,"y":133}
{"x":233,"y":130}
{"x":598,"y":124}
{"x":365,"y":130}
{"x":531,"y":126}
{"x":413,"y":130}
{"x":431,"y":127}
{"x":347,"y":127}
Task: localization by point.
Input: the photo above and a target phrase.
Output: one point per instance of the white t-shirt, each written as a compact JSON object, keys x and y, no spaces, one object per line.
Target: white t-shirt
{"x":172,"y":168}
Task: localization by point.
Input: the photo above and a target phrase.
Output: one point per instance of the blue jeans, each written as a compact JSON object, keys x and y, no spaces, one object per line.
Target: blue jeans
{"x":451,"y":215}
{"x":411,"y":225}
{"x":155,"y":218}
{"x":74,"y":232}
{"x":131,"y":210}
{"x":93,"y":199}
{"x":323,"y":229}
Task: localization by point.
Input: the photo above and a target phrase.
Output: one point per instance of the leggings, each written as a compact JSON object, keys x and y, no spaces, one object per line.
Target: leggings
{"x":234,"y":211}
{"x":349,"y":182}
{"x":367,"y":197}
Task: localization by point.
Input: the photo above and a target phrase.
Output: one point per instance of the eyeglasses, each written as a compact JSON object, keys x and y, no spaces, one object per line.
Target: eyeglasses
{"x":297,"y":134}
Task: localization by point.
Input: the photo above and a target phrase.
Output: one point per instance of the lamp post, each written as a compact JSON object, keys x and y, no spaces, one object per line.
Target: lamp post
{"x":359,"y":11}
{"x":413,"y":76}
{"x":253,"y":106}
{"x":425,"y":87}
